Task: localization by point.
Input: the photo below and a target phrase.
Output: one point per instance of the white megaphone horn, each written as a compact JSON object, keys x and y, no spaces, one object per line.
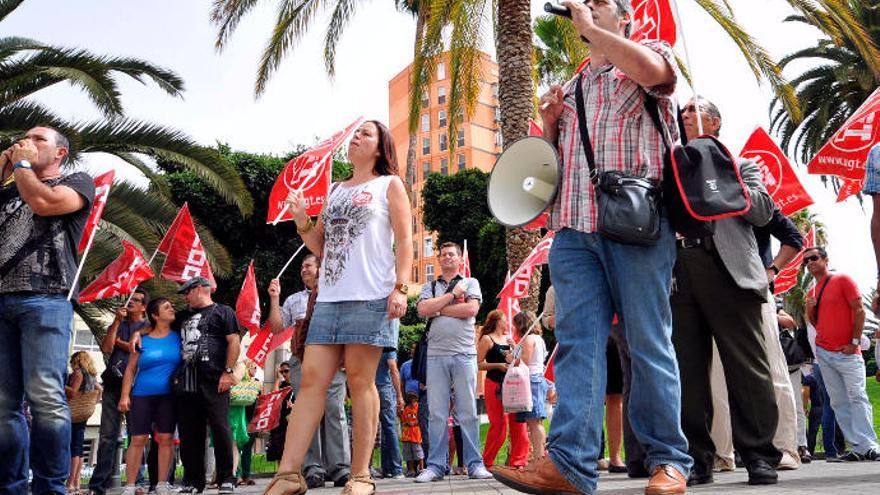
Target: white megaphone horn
{"x":524,"y":181}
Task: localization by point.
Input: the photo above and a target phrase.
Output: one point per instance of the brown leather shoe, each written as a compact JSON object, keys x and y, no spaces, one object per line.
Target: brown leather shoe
{"x":540,"y":477}
{"x":666,"y":480}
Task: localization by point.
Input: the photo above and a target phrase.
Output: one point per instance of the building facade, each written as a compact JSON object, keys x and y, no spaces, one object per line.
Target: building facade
{"x":477,"y":145}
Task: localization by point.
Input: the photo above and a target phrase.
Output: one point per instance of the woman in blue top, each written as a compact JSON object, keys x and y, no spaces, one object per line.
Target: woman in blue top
{"x":147,"y":398}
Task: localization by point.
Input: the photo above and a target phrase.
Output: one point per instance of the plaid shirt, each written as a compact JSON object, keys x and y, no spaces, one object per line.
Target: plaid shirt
{"x":623,"y":136}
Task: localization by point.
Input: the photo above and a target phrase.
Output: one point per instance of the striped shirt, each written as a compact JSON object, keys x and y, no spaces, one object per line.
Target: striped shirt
{"x":622,"y":134}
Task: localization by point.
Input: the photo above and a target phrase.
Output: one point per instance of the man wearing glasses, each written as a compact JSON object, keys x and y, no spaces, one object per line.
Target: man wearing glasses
{"x":834,"y":307}
{"x":117,"y":343}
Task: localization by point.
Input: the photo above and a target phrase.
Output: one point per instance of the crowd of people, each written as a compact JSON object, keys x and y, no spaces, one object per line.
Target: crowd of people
{"x":678,"y":346}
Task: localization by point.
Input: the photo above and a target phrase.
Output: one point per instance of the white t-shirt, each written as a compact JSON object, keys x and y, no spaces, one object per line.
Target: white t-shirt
{"x":536,"y":363}
{"x":358,"y":263}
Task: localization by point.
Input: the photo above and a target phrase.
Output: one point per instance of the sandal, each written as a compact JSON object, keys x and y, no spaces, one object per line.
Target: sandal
{"x":364,"y":479}
{"x":288,"y":483}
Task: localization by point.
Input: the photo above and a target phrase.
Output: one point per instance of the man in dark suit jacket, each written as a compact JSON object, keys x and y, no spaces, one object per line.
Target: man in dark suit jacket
{"x":718,"y":288}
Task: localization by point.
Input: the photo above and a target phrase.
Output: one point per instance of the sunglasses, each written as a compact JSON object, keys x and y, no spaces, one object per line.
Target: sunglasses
{"x":285,"y":371}
{"x":810,"y":259}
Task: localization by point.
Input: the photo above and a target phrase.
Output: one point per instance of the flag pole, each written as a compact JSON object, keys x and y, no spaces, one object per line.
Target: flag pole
{"x":82,"y":262}
{"x":687,"y":62}
{"x":290,"y":260}
{"x":149,"y":263}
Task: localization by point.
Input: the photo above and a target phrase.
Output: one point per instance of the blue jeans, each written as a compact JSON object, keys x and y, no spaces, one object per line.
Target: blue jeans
{"x":844,"y":377}
{"x":392,"y":464}
{"x":594,"y":278}
{"x":34,"y":336}
{"x":445,"y":374}
{"x":829,"y":421}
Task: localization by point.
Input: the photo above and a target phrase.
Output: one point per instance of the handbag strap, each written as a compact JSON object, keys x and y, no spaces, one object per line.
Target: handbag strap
{"x":819,"y":299}
{"x":449,"y":288}
{"x":582,"y":125}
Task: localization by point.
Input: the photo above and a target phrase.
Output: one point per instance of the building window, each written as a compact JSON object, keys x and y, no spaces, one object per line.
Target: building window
{"x":441,"y":116}
{"x":84,"y":340}
{"x":415,"y":274}
{"x":426,"y":146}
{"x":425,"y":101}
{"x":444,"y":142}
{"x":415,"y":250}
{"x":495,"y":90}
{"x":444,"y":166}
{"x":441,"y":95}
{"x":460,"y":137}
{"x":415,"y":225}
{"x":429,"y":273}
{"x":429,"y":246}
{"x":426,"y":122}
{"x":415,"y":200}
{"x":497,"y":114}
{"x":498,"y":141}
{"x":461,"y":162}
{"x":426,"y":169}
{"x":441,"y":71}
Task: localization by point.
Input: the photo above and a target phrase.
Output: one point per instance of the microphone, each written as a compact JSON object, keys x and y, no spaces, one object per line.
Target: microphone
{"x":552,"y":8}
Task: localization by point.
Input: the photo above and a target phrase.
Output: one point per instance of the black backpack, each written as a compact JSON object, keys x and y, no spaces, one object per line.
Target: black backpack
{"x":420,"y":355}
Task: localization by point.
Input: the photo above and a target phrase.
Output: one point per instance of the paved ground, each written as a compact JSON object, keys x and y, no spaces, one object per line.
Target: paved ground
{"x":816,"y":478}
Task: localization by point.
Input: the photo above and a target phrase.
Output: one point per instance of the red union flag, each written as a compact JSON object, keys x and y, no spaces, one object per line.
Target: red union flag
{"x":653,"y":20}
{"x":465,"y":267}
{"x":548,"y":373}
{"x":267,"y":411}
{"x":510,"y":307}
{"x":186,"y":256}
{"x":535,"y":129}
{"x":102,"y":190}
{"x":787,"y":277}
{"x":518,"y":285}
{"x":309,"y":173}
{"x":779,"y":177}
{"x":120,"y":277}
{"x":845,"y":154}
{"x":266,"y":342}
{"x":247,"y":306}
{"x":850,"y":187}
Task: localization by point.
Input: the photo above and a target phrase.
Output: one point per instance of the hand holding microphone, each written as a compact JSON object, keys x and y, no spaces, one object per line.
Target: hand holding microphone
{"x":581,"y":15}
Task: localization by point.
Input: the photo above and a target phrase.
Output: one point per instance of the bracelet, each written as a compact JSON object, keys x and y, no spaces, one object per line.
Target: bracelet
{"x":305,"y":229}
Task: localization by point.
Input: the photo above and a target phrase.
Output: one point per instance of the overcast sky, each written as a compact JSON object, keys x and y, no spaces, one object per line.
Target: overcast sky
{"x":302,"y":103}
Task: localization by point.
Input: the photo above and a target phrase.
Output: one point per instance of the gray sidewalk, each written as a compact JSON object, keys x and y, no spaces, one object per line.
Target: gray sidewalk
{"x":815,"y":478}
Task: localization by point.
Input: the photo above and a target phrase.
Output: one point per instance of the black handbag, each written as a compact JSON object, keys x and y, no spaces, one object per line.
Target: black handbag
{"x":420,"y":354}
{"x":629,"y":205}
{"x":791,"y":348}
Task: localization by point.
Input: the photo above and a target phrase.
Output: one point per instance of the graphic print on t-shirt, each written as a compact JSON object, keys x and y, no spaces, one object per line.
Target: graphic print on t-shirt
{"x":345,"y":219}
{"x":14,"y":227}
{"x":191,"y":335}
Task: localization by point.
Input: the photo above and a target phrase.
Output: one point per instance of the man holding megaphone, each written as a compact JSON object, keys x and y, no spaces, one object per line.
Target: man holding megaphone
{"x":609,"y":147}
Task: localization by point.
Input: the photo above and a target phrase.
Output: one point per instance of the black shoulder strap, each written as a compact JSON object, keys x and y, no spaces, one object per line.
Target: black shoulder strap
{"x":819,"y":298}
{"x":582,"y":126}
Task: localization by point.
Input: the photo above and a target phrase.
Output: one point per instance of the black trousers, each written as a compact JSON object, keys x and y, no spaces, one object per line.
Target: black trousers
{"x":195,"y":412}
{"x":707,"y":303}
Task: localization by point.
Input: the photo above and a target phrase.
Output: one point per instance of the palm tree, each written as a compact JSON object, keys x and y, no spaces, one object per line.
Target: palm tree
{"x":137,"y":214}
{"x":560,"y":50}
{"x":844,"y":69}
{"x":795,"y":300}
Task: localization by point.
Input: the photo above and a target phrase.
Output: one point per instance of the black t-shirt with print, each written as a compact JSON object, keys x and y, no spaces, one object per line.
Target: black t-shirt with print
{"x":203,"y":334}
{"x":38,"y":254}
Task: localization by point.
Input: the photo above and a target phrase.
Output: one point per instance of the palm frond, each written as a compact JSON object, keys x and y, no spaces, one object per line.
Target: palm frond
{"x":157,"y":180}
{"x":464,"y":64}
{"x":11,"y":45}
{"x":340,"y":18}
{"x":226,"y":14}
{"x":7,"y":6}
{"x":294,"y":19}
{"x":138,"y":69}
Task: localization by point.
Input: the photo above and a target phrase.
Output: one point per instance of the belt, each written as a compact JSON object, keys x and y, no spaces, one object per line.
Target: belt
{"x":704,"y":242}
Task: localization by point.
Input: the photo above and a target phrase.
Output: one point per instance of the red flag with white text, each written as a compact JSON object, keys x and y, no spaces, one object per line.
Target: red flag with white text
{"x":782,"y":183}
{"x":310,"y":173}
{"x":247,"y":306}
{"x":849,"y":187}
{"x":266,"y":342}
{"x":465,"y":267}
{"x":182,"y":215}
{"x":788,"y":276}
{"x":102,"y":190}
{"x":518,"y":285}
{"x":186,"y":256}
{"x":120,"y":277}
{"x":653,"y":20}
{"x":548,"y":371}
{"x":510,"y":307}
{"x":535,"y":129}
{"x":847,"y":151}
{"x":267,"y":411}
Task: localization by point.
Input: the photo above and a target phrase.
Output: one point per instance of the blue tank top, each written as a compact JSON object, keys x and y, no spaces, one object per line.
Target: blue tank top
{"x":158,"y":360}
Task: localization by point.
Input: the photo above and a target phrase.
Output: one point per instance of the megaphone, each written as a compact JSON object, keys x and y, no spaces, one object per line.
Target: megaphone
{"x":524,"y":181}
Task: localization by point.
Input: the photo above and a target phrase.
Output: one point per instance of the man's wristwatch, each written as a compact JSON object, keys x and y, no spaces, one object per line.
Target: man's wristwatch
{"x":855,"y":341}
{"x":774,"y":268}
{"x":402,"y":288}
{"x":22,"y":164}
{"x":227,"y":370}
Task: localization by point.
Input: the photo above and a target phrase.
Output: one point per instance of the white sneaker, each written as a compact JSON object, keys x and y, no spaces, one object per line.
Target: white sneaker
{"x":129,"y":490}
{"x":788,"y":462}
{"x":427,"y":476}
{"x":480,"y":473}
{"x":163,"y":488}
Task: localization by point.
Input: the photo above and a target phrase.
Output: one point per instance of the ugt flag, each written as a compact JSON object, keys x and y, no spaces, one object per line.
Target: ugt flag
{"x":518,"y":285}
{"x":510,"y":307}
{"x":265,"y":342}
{"x":847,"y":151}
{"x":653,"y":20}
{"x":267,"y":411}
{"x":787,"y":277}
{"x":779,"y":177}
{"x":308,"y":173}
{"x":120,"y":277}
{"x":102,"y":190}
{"x":186,"y":256}
{"x":465,"y":267}
{"x":247,"y":307}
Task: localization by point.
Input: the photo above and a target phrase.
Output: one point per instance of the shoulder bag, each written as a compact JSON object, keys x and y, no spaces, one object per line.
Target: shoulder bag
{"x":420,"y":356}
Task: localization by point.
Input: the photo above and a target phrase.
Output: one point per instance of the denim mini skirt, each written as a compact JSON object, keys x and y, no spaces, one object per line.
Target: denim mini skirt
{"x":539,"y":400}
{"x":353,"y":322}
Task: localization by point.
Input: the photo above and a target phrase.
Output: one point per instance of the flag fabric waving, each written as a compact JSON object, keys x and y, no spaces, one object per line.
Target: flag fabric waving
{"x":845,"y":154}
{"x":120,"y":277}
{"x":186,"y":256}
{"x":782,"y":183}
{"x":309,"y":173}
{"x":653,"y":20}
{"x":849,"y":187}
{"x":510,"y":307}
{"x":102,"y":190}
{"x":518,"y":285}
{"x":265,"y":343}
{"x":267,"y":411}
{"x":465,"y":267}
{"x":548,"y":372}
{"x":247,"y":306}
{"x":787,"y":277}
{"x":535,"y":129}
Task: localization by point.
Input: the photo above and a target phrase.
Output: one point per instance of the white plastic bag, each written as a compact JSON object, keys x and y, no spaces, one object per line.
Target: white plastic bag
{"x":516,"y":391}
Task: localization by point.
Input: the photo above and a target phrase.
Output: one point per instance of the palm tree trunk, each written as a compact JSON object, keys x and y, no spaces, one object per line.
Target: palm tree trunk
{"x":515,"y":93}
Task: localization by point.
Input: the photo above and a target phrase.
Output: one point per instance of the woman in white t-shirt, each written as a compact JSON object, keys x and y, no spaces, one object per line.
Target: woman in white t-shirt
{"x":361,"y":294}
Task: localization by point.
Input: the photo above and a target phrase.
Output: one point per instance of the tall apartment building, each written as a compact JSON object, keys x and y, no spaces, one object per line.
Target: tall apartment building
{"x":478,"y":143}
